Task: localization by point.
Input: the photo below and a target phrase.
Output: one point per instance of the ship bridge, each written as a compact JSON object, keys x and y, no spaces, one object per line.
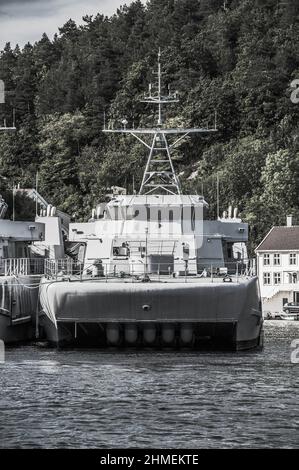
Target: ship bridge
{"x":158,"y":200}
{"x":147,"y":208}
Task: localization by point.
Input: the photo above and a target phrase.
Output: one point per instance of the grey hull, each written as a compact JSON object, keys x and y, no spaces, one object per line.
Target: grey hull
{"x":226,"y":316}
{"x":16,"y":333}
{"x":18,"y":303}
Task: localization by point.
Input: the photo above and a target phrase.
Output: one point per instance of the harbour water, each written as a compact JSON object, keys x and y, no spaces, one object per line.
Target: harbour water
{"x":175,"y":400}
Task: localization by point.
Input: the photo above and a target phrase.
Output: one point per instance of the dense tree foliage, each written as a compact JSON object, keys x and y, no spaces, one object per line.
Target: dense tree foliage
{"x":236,"y":57}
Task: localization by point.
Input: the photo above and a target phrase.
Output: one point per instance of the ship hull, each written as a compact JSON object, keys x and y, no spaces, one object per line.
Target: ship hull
{"x":16,"y":333}
{"x":171,"y":314}
{"x":18,"y":303}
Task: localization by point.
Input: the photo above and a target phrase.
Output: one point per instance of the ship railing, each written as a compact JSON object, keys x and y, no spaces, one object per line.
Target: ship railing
{"x":55,"y":268}
{"x":22,"y":266}
{"x":135,"y":271}
{"x":243,"y":268}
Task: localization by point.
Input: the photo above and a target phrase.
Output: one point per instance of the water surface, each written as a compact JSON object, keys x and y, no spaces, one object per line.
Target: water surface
{"x":88,"y":399}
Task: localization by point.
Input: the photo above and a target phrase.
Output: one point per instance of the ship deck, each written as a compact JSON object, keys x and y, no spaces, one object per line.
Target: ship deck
{"x":150,"y":279}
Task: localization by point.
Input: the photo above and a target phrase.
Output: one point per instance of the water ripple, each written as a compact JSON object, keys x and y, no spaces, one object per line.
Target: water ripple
{"x":86,"y":399}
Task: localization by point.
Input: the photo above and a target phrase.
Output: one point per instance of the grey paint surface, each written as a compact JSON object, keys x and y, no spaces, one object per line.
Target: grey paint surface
{"x":98,"y":302}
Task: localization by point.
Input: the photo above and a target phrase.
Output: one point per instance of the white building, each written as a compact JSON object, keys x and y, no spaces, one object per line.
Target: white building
{"x":278,"y":267}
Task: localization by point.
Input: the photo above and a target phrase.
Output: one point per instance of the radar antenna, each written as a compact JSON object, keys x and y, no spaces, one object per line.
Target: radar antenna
{"x":159,"y":175}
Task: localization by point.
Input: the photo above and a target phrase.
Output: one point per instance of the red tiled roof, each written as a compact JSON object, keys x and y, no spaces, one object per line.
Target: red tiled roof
{"x":280,"y":239}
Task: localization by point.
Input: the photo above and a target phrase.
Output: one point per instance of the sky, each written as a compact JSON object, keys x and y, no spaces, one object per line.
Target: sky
{"x":23,"y":21}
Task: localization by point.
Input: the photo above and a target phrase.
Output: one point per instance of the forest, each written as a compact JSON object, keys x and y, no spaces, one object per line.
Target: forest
{"x":235,"y":57}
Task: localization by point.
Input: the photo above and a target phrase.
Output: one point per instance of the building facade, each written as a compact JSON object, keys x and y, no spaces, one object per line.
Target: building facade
{"x":278,"y":267}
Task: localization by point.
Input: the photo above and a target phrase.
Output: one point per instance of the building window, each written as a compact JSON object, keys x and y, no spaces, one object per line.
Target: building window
{"x":266,"y":260}
{"x":267,"y":279}
{"x":293,"y":278}
{"x":277,"y":278}
{"x":293,"y":259}
{"x":277,"y":259}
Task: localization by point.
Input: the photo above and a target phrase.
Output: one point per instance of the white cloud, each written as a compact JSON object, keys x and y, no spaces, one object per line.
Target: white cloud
{"x":23,"y":21}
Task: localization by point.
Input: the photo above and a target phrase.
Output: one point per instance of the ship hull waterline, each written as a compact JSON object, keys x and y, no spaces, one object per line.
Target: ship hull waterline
{"x":125,"y":314}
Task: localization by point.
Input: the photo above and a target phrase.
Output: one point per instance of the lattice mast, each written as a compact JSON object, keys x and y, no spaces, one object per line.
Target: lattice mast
{"x":159,"y":175}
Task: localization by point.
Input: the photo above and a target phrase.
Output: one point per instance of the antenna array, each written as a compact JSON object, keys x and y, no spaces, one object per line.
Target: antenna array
{"x":159,"y":175}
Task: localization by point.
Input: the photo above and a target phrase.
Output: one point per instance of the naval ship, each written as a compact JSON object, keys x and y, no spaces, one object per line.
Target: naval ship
{"x":147,"y":270}
{"x":19,"y":273}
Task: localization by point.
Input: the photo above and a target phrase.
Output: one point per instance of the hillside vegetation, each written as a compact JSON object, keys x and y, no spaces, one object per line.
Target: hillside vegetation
{"x":237,"y":57}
